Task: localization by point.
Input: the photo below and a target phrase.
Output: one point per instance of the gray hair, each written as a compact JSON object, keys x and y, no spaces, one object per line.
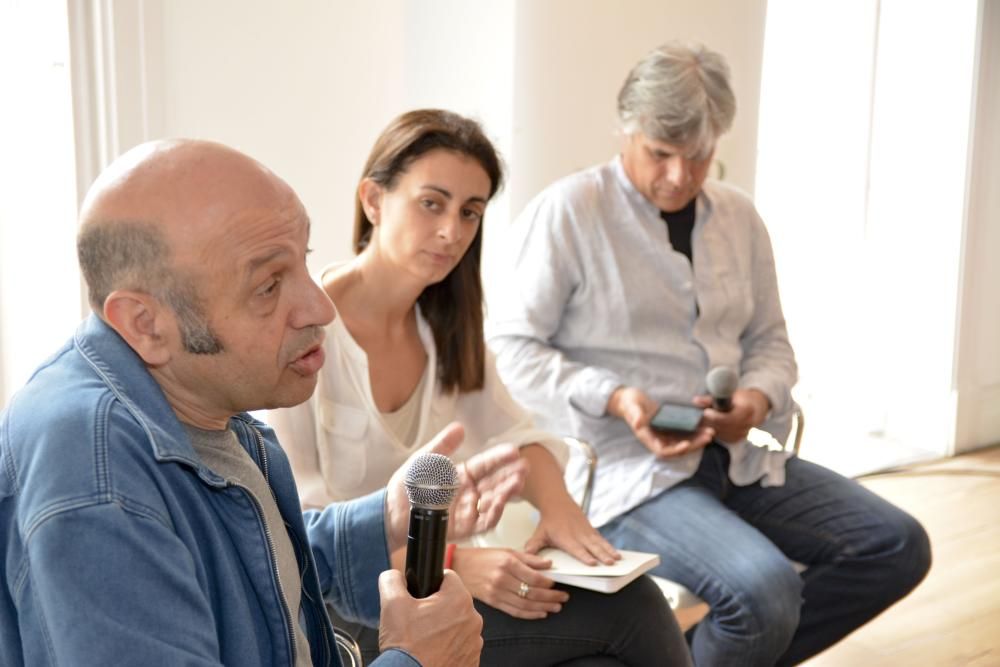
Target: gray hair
{"x":678,"y":94}
{"x":127,"y":254}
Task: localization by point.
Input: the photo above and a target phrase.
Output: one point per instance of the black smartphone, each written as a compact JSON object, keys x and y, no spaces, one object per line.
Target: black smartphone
{"x":676,"y":418}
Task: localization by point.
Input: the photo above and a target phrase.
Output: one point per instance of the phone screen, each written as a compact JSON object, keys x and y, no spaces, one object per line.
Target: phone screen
{"x":676,"y":418}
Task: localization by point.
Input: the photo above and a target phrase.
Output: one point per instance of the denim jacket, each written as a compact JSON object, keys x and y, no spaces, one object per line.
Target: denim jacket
{"x":120,"y":547}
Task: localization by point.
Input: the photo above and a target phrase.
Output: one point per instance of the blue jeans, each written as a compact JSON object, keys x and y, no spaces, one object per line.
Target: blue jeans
{"x":731,"y":546}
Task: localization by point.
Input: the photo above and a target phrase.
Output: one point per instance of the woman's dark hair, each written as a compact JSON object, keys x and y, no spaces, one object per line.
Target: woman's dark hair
{"x":454,"y":306}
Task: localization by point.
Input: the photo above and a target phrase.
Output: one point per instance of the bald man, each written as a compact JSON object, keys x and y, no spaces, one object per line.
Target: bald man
{"x":146,"y":518}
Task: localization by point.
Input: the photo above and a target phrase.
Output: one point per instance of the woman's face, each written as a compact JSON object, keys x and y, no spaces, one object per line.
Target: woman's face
{"x":427,"y":221}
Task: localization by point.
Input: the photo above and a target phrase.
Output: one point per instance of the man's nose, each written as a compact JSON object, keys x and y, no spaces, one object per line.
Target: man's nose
{"x":678,"y":171}
{"x":315,"y":307}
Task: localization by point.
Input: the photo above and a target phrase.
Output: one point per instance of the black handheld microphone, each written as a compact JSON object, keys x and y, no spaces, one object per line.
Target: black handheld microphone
{"x":431,"y":483}
{"x":722,"y":382}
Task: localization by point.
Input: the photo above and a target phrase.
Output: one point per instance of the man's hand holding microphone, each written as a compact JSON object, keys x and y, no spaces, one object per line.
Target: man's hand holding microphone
{"x":442,"y":628}
{"x":731,"y":411}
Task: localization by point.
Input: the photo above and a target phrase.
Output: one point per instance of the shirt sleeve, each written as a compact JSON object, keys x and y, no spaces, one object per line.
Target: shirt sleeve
{"x":349,"y":547}
{"x":768,"y":362}
{"x":85,"y":565}
{"x":538,"y":274}
{"x":492,"y":417}
{"x":395,"y":657}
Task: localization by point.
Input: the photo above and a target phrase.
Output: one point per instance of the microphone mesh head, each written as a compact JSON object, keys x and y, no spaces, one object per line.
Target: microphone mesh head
{"x":431,"y":481}
{"x":722,"y":381}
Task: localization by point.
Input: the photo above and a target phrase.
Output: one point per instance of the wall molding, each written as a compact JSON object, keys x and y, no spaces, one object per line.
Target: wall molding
{"x":115,"y":64}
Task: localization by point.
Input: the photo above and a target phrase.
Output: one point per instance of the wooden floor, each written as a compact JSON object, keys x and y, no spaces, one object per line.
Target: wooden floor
{"x":953,"y":617}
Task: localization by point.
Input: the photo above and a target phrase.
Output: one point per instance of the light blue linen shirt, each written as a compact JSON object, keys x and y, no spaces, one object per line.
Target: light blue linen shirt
{"x":589,"y":296}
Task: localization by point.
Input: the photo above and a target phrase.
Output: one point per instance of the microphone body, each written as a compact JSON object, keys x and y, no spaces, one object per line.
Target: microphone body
{"x":425,"y":544}
{"x":722,"y":381}
{"x":722,"y":403}
{"x":431,"y":483}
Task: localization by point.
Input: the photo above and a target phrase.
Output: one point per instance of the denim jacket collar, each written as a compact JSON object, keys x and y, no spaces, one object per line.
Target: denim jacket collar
{"x":125,"y":374}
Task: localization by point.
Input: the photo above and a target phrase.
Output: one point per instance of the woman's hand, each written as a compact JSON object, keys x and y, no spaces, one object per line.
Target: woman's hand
{"x":510,"y":581}
{"x":569,"y":529}
{"x":563,"y":523}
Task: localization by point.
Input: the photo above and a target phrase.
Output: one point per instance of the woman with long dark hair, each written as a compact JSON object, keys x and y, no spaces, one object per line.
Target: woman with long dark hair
{"x":406,"y":356}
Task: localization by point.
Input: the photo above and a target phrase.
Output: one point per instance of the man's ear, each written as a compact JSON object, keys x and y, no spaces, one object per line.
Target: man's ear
{"x":143,"y":321}
{"x":370,"y":196}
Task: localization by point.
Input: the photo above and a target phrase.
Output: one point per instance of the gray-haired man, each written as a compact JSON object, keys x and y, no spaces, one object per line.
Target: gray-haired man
{"x":624,"y":284}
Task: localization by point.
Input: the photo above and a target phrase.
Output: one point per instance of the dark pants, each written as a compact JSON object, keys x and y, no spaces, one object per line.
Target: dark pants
{"x":631,"y":627}
{"x":731,"y":546}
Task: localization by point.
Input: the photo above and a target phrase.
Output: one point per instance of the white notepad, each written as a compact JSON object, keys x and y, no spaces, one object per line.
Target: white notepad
{"x":603,"y":578}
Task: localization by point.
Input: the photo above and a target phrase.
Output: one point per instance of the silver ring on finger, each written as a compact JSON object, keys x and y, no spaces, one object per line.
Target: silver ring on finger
{"x":522,"y":590}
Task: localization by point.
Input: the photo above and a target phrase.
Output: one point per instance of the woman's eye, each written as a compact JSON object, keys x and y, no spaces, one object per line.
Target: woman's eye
{"x":471,"y":214}
{"x":429,"y":204}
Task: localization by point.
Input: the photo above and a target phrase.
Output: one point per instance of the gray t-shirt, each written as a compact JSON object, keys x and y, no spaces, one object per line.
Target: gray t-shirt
{"x":222,"y":453}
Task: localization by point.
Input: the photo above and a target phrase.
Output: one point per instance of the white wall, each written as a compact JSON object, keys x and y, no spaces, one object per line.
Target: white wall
{"x":305,"y":87}
{"x":572,"y":56}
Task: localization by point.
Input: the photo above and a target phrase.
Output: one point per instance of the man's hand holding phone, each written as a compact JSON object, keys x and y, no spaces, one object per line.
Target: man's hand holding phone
{"x":637,"y":409}
{"x":677,"y":418}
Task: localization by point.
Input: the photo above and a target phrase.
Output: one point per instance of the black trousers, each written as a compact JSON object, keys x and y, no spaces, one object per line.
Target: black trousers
{"x":632,"y":627}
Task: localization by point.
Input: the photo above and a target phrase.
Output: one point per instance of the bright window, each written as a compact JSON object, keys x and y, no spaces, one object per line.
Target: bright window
{"x":861,"y":175}
{"x":40,"y":298}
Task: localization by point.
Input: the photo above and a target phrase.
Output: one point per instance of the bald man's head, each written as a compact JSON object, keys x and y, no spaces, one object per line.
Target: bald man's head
{"x":147,"y":216}
{"x":195,"y":255}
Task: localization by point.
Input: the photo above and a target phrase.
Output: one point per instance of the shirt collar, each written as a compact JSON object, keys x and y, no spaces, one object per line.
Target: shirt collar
{"x":126,"y":375}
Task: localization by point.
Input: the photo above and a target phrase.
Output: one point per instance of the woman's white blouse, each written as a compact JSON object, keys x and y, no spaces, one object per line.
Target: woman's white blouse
{"x":340,"y":447}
